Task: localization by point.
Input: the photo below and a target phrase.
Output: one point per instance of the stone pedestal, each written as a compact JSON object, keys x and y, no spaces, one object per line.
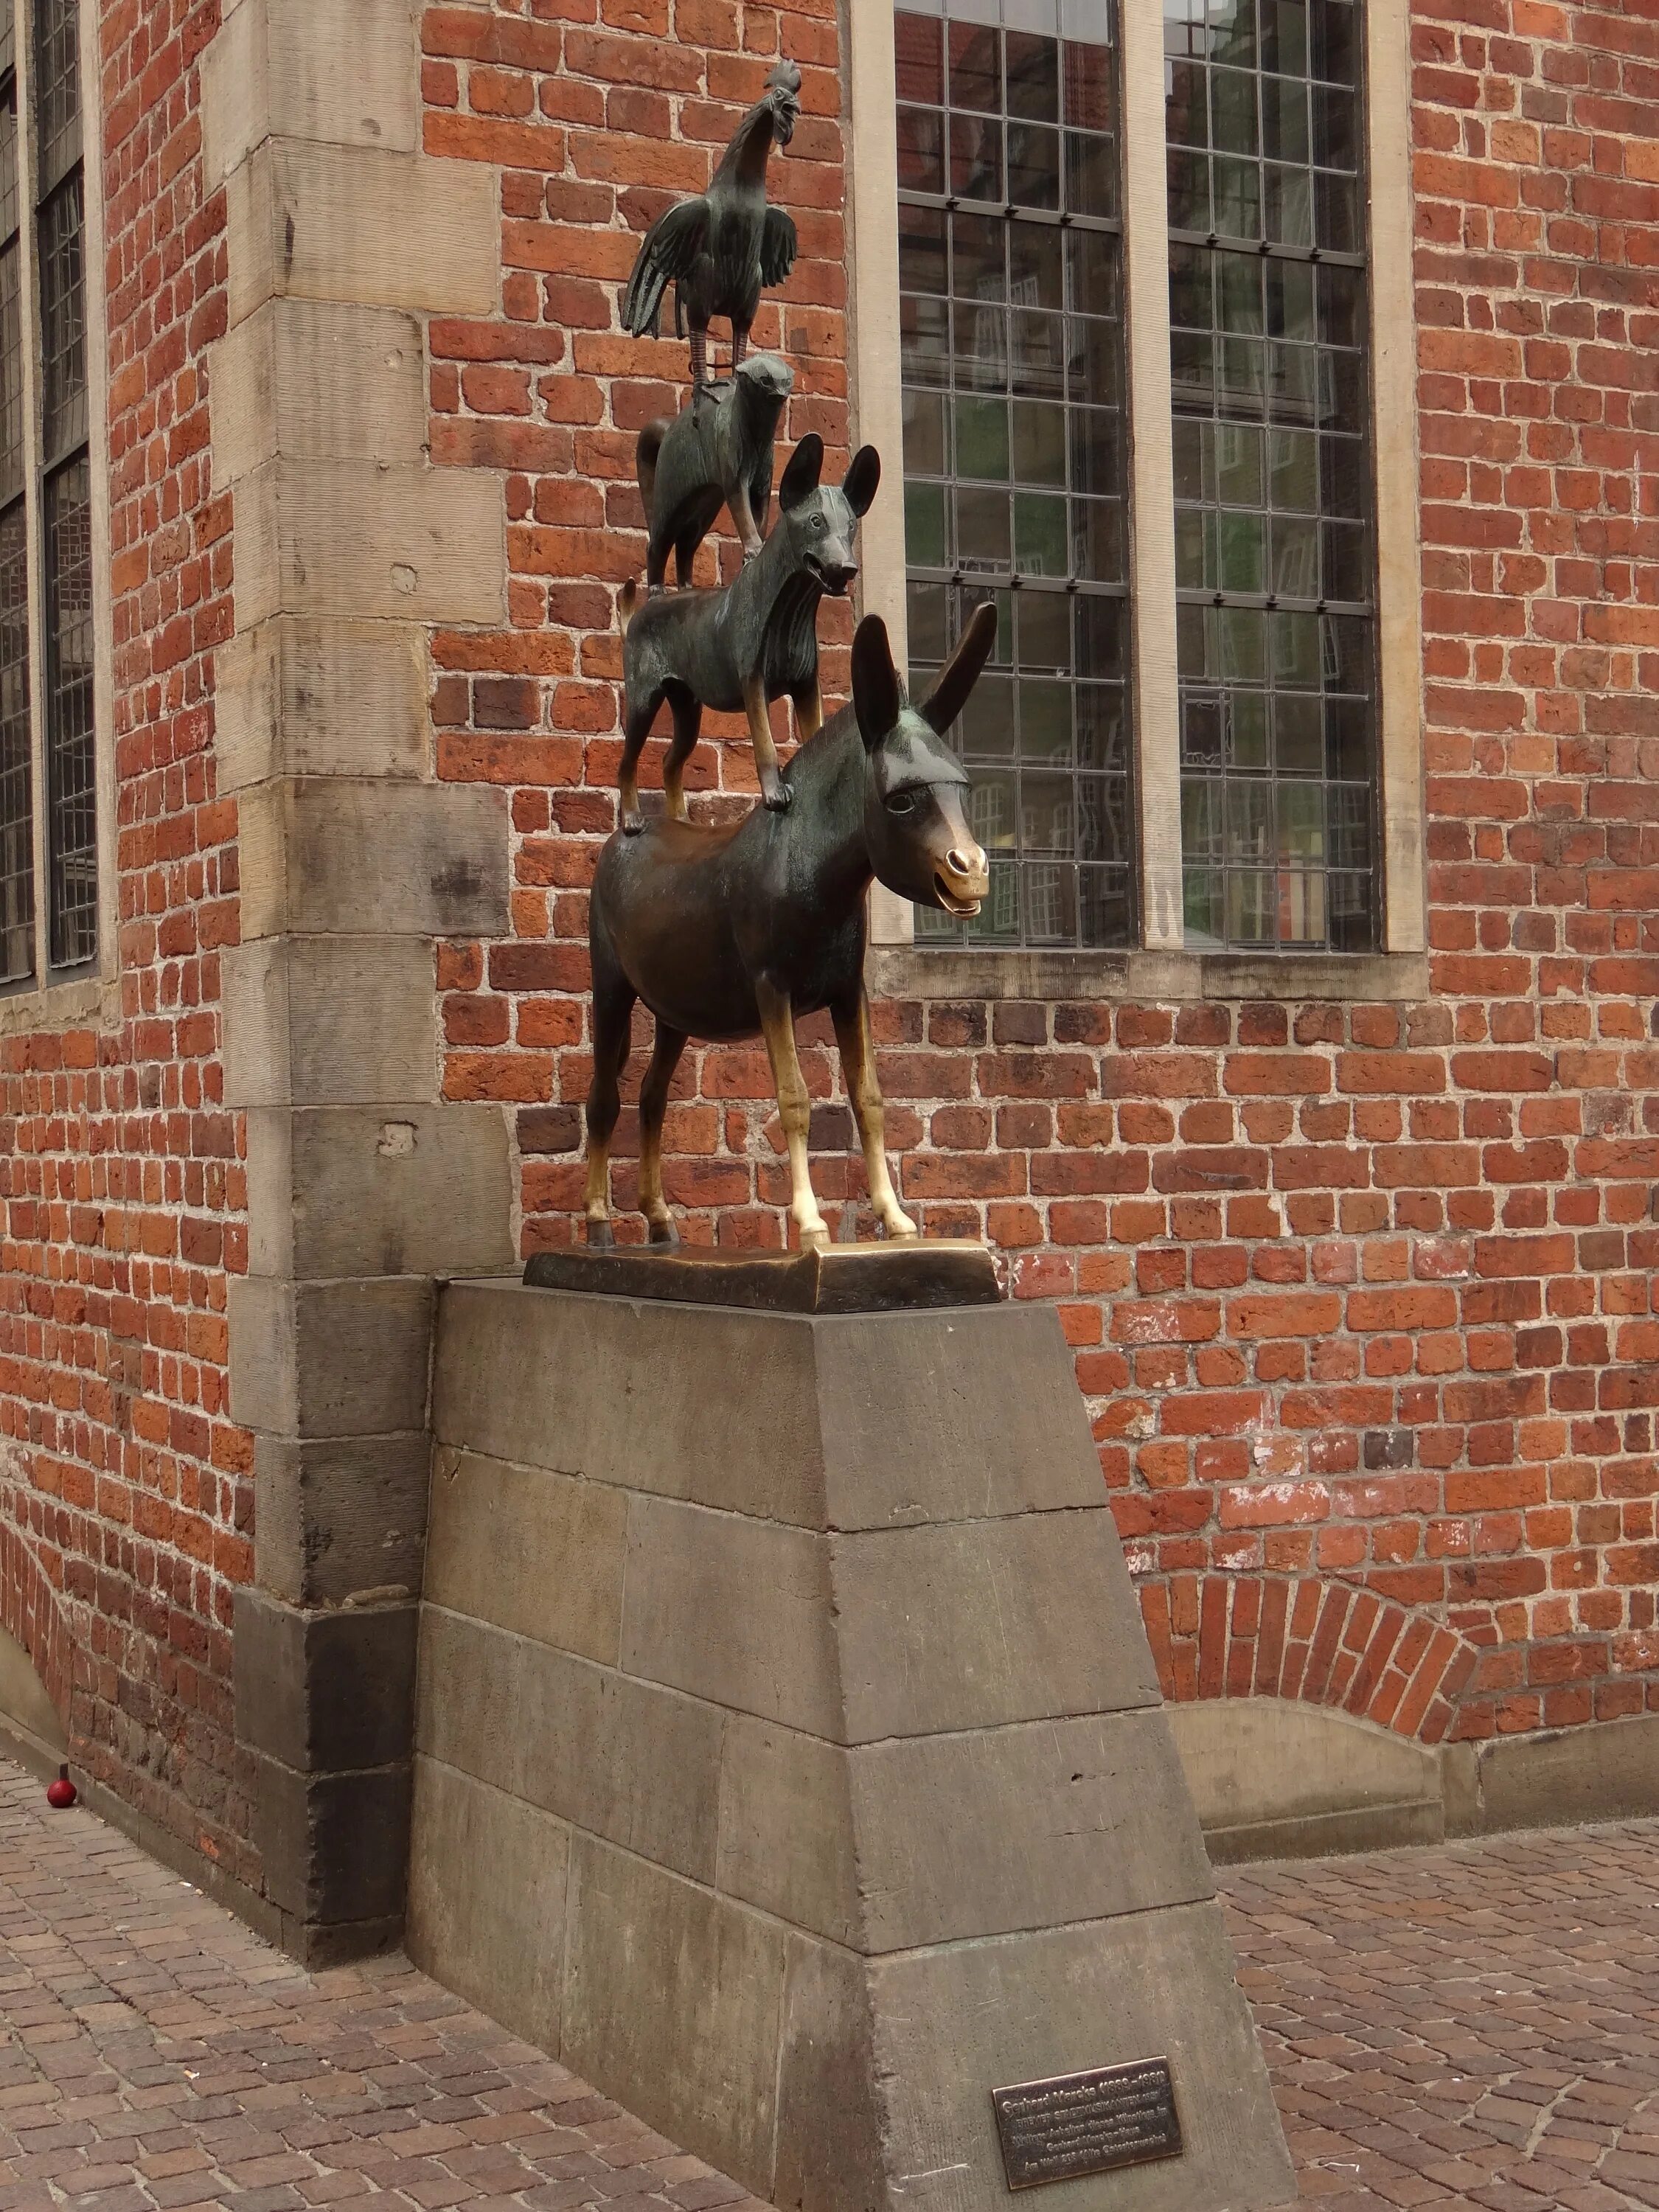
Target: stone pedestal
{"x":789,"y":1759}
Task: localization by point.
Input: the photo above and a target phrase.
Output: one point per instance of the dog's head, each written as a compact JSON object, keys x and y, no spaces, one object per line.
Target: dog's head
{"x":821,"y":519}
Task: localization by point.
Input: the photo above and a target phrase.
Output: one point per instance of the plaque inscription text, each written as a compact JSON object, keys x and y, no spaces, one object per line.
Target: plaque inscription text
{"x":1078,"y":2124}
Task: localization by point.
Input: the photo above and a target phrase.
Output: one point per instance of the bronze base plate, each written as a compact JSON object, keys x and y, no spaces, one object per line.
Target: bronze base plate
{"x":847,"y":1278}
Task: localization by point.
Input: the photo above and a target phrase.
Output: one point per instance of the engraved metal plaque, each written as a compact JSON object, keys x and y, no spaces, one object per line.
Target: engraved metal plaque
{"x":1078,"y":2124}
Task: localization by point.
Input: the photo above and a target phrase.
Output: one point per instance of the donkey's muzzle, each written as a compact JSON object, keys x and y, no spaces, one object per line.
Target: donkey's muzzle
{"x":962,"y":880}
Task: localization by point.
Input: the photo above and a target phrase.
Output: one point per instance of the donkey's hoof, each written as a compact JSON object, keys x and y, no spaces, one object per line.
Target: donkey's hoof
{"x":600,"y":1237}
{"x":816,"y":1240}
{"x":667,"y":1235}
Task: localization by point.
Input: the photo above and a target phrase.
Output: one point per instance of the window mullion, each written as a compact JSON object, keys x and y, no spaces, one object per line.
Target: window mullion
{"x":1151,"y":482}
{"x":873,"y":210}
{"x":1393,"y":395}
{"x":27,"y":143}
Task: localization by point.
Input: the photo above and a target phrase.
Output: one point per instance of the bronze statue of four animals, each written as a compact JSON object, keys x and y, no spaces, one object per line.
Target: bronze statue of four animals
{"x":727,"y":930}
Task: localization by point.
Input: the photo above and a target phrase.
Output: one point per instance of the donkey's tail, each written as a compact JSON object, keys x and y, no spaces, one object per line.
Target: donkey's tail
{"x":645,"y":462}
{"x":628,"y":600}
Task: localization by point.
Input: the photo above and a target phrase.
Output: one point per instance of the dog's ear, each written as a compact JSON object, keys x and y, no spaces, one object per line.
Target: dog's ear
{"x":878,"y":695}
{"x":800,"y":478}
{"x":957,"y":679}
{"x":863,"y":475}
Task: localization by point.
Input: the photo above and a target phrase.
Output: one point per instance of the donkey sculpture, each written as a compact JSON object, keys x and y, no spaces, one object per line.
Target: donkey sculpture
{"x":755,"y":640}
{"x":725,"y":932}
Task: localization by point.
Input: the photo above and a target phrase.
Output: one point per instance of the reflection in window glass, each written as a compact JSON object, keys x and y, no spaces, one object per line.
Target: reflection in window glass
{"x":1011,"y":343}
{"x":1274,"y":555}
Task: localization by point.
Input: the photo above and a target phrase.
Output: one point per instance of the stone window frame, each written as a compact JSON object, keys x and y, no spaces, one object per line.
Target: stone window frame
{"x":53,"y":997}
{"x":1160,"y":964}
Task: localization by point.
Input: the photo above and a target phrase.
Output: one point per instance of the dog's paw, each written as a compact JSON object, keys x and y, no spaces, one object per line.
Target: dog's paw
{"x":776,"y":801}
{"x":632,"y":824}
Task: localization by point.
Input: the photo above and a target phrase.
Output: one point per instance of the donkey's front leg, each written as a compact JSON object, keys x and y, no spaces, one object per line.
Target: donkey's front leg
{"x":857,"y":1062}
{"x":794,"y":1108}
{"x":773,"y":790}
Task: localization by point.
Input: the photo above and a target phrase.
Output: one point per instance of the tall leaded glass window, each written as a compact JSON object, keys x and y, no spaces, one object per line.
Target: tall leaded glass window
{"x":16,"y":767}
{"x":49,"y":900}
{"x":66,"y":491}
{"x":1012,"y":367}
{"x":1275,"y":565}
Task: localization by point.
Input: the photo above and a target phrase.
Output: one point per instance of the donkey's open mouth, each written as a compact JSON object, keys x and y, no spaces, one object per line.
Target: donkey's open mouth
{"x":964,"y":909}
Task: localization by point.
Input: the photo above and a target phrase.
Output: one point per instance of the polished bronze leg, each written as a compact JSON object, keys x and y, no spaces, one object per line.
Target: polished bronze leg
{"x":653,"y":1105}
{"x":613,"y":1023}
{"x":858,"y":1061}
{"x":774,"y":792}
{"x":794,"y":1109}
{"x":809,"y":710}
{"x":688,"y":725}
{"x":636,"y":728}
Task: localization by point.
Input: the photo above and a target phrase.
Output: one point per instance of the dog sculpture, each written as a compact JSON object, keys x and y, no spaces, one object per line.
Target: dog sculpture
{"x":755,"y":640}
{"x":725,"y":932}
{"x":721,"y":249}
{"x":717,"y":452}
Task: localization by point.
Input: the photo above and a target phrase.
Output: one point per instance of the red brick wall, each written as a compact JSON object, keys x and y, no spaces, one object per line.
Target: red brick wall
{"x":126,"y":1492}
{"x":1362,"y":1297}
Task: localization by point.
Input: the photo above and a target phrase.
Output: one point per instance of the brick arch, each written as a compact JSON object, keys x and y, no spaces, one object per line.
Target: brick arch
{"x":30,"y":1611}
{"x":1308,"y":1642}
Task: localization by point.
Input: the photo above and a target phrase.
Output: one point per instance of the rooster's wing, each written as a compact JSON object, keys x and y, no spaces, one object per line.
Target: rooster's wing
{"x":666,"y":253}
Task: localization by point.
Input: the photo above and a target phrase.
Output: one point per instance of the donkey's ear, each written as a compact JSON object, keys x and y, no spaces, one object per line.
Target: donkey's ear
{"x":863,"y":475}
{"x":878,"y":695}
{"x":800,"y":478}
{"x":957,"y":679}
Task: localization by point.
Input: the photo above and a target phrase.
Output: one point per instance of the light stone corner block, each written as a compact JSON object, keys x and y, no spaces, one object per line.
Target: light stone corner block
{"x":310,"y":69}
{"x":354,"y":222}
{"x":308,"y":380}
{"x":331,"y":855}
{"x":378,"y":1190}
{"x":348,"y":537}
{"x":330,"y":1021}
{"x":315,"y":696}
{"x":329,"y":1360}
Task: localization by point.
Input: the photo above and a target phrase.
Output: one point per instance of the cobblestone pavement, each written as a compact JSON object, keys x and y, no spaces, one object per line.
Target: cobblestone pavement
{"x":1476,"y":2024}
{"x":1473,"y":2025}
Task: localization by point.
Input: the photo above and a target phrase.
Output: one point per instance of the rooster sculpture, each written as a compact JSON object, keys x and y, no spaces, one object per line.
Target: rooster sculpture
{"x":720,"y":251}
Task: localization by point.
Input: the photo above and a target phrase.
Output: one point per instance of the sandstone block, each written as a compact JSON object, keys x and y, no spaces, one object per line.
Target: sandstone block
{"x":329,"y":1360}
{"x":383,"y":228}
{"x":353,"y":1190}
{"x":526,"y":1550}
{"x":324,"y":1689}
{"x":338,"y":1517}
{"x":330,"y":1021}
{"x":499,"y":1942}
{"x":315,"y":696}
{"x":321,"y":537}
{"x":310,"y":69}
{"x":308,"y":380}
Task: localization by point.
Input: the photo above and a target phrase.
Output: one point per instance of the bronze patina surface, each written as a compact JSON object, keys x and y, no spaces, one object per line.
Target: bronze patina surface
{"x":846,"y":1279}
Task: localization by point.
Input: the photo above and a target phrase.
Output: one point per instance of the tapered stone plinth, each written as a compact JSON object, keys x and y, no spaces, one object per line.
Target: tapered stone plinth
{"x":790,"y":1759}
